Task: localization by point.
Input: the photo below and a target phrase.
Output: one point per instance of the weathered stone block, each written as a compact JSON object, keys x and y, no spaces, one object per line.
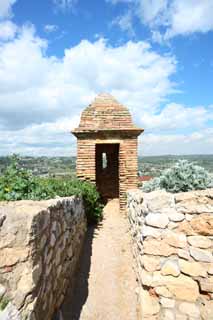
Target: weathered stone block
{"x":157,"y":201}
{"x":174,"y":215}
{"x":151,"y":263}
{"x":163,"y":291}
{"x":201,"y":255}
{"x":174,"y":239}
{"x":182,"y":287}
{"x":148,"y":231}
{"x":206,"y":284}
{"x":11,"y":256}
{"x":167,"y":303}
{"x":159,"y":220}
{"x":194,"y":269}
{"x":200,"y":242}
{"x":207,"y":310}
{"x":158,"y":248}
{"x":149,"y":305}
{"x":190,"y":309}
{"x":170,"y":267}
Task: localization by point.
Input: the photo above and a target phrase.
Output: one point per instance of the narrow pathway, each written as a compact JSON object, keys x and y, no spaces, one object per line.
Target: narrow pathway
{"x":106,"y":284}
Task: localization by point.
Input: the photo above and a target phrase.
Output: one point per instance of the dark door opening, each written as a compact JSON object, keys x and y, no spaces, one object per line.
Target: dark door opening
{"x":107,"y":170}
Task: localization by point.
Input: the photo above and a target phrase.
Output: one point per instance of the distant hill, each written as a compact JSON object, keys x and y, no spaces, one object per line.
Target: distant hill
{"x":42,"y":166}
{"x":148,"y":165}
{"x":153,"y":165}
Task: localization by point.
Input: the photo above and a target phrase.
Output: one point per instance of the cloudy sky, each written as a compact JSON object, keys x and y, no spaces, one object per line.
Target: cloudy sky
{"x":154,"y":56}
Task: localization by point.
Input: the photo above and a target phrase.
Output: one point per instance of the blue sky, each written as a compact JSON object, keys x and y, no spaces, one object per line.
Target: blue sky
{"x":155,"y":56}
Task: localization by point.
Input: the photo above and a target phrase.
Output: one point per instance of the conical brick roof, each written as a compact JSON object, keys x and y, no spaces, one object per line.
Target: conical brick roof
{"x":105,"y":113}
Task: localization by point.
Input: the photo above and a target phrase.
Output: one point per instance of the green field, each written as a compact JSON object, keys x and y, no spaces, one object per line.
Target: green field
{"x":65,"y":166}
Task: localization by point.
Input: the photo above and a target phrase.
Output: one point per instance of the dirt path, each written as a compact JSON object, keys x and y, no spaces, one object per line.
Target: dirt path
{"x":105,"y":288}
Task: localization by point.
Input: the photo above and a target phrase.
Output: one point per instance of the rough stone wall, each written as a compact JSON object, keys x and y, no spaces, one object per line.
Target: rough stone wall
{"x":173,"y":246}
{"x":40,"y":244}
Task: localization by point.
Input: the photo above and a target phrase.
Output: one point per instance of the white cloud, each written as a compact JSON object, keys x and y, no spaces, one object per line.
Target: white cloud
{"x":8,"y":30}
{"x":197,"y":142}
{"x":157,"y":37}
{"x":54,"y":138}
{"x":152,"y":12}
{"x":50,"y":28}
{"x":190,"y":16}
{"x":125,"y":23}
{"x":167,"y":19}
{"x":15,"y":74}
{"x":176,"y":116}
{"x":41,"y":101}
{"x":47,"y":87}
{"x":6,"y":8}
{"x":47,"y":138}
{"x":64,"y":5}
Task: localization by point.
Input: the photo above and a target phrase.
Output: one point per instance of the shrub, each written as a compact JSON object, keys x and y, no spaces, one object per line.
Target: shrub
{"x":51,"y":187}
{"x":183,"y":176}
{"x":3,"y":303}
{"x":16,"y":183}
{"x":20,"y":184}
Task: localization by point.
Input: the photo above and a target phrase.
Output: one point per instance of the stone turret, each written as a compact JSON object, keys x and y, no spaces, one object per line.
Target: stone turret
{"x":107,"y":147}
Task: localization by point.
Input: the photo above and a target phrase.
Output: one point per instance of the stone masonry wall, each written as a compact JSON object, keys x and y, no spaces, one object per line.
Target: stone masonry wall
{"x":173,"y":246}
{"x":40,"y":244}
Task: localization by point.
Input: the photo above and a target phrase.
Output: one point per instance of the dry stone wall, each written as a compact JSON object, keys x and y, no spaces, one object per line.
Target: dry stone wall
{"x":40,"y":244}
{"x":173,"y":246}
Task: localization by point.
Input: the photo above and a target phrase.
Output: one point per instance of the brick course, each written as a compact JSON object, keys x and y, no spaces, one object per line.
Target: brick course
{"x":106,"y":121}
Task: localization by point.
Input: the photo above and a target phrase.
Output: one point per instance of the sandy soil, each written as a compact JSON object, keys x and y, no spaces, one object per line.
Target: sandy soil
{"x":106,"y":284}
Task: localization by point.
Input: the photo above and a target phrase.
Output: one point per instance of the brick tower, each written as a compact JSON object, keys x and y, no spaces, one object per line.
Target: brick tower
{"x":107,"y":148}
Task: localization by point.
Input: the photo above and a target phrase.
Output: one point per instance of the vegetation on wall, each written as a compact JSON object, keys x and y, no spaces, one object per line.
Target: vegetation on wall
{"x":181,"y":177}
{"x":3,"y":303}
{"x":20,"y":184}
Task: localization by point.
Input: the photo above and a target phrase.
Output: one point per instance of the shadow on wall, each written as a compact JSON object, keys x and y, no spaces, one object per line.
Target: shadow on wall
{"x":75,"y":299}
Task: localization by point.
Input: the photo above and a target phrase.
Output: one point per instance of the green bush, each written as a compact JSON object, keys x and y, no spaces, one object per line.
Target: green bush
{"x":183,"y":176}
{"x":19,"y":184}
{"x":16,"y":183}
{"x":3,"y":303}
